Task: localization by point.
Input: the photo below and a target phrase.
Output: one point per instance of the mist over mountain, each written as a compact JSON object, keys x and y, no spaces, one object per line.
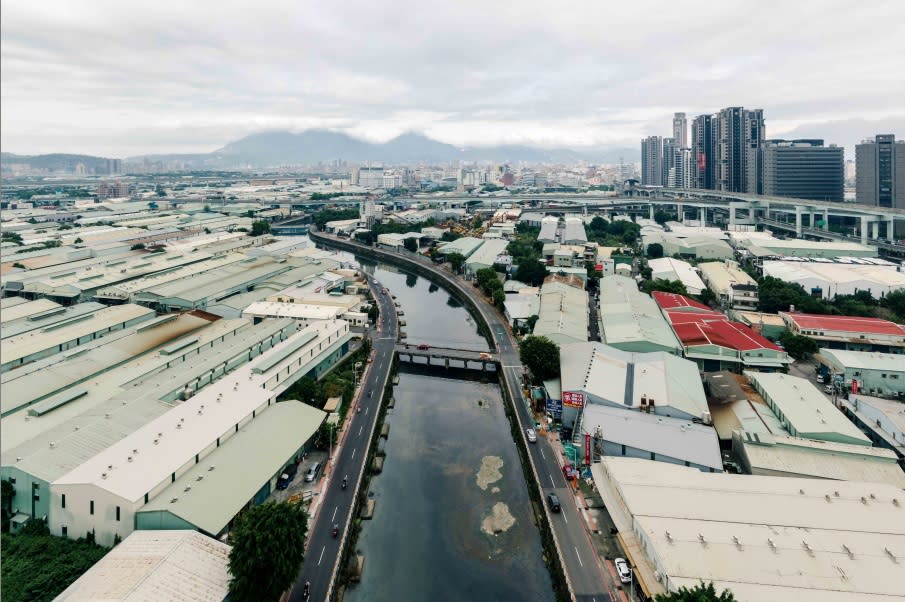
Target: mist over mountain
{"x":846,"y":133}
{"x":280,"y":148}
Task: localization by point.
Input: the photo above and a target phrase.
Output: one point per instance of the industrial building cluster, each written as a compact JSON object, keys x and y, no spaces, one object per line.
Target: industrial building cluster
{"x":144,"y":365}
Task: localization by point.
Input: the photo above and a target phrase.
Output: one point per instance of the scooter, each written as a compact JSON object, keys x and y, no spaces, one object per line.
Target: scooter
{"x":345,"y":480}
{"x":307,"y":591}
{"x":335,"y":530}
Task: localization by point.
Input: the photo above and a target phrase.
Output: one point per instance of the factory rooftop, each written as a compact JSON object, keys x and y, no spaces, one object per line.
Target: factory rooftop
{"x":155,"y":565}
{"x":630,"y":319}
{"x":763,"y":538}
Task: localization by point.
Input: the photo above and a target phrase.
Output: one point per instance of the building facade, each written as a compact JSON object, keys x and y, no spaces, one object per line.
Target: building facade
{"x":680,"y":130}
{"x":651,"y":161}
{"x":880,"y":172}
{"x":668,"y":163}
{"x":804,"y":169}
{"x":702,"y":151}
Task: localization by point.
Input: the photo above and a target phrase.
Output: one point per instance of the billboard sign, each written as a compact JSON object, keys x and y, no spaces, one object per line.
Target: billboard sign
{"x":573,"y":400}
{"x":554,"y":406}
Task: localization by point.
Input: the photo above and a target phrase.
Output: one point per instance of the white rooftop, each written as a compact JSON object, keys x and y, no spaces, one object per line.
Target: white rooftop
{"x":149,"y":566}
{"x":764,"y":538}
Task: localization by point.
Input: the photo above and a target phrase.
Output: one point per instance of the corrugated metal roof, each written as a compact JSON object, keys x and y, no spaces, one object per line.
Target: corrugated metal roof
{"x":153,"y":565}
{"x":563,"y":313}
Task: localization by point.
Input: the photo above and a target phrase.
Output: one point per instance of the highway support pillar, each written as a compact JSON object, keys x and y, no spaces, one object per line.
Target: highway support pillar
{"x":864,"y":221}
{"x":680,"y":209}
{"x":731,"y":215}
{"x":702,"y":216}
{"x":890,"y":228}
{"x":875,"y":230}
{"x":826,"y":219}
{"x":650,"y":210}
{"x":798,"y":210}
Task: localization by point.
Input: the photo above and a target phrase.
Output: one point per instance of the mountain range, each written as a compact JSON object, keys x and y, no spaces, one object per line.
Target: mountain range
{"x":310,"y":147}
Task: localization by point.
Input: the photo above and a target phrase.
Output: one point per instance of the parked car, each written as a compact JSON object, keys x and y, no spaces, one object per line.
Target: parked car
{"x":625,"y":573}
{"x":820,"y":378}
{"x":532,"y":436}
{"x":553,"y":501}
{"x":828,"y":389}
{"x":313,"y":472}
{"x":423,"y":347}
{"x":287,"y":476}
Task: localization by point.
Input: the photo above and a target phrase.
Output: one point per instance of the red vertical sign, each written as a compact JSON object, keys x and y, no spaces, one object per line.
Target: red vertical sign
{"x":854,"y":386}
{"x":587,"y":449}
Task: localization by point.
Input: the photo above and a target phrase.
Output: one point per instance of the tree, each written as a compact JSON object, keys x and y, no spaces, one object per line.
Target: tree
{"x":666,"y":286}
{"x":373,"y":313}
{"x":410,"y":244}
{"x":777,"y":295}
{"x":541,"y":356}
{"x":661,"y":217}
{"x":895,"y":302}
{"x":707,"y":297}
{"x":449,"y":236}
{"x":699,"y":593}
{"x":138,"y":246}
{"x":260,"y":227}
{"x":499,"y":299}
{"x":78,"y":240}
{"x":12,"y":237}
{"x":598,"y":224}
{"x":797,"y":345}
{"x":456,"y":261}
{"x":160,"y":191}
{"x":654,"y":250}
{"x":531,"y":273}
{"x":268,"y":548}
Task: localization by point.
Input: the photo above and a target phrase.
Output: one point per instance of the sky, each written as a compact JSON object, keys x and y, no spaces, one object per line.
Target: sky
{"x":118,"y":79}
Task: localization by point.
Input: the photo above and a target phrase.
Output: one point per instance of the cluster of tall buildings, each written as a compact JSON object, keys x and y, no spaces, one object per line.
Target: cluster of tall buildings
{"x":729,"y":151}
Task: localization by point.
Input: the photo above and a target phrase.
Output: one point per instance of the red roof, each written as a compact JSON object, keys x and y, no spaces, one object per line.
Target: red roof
{"x":676,"y":301}
{"x":679,"y":316}
{"x":722,"y":333}
{"x":846,"y":324}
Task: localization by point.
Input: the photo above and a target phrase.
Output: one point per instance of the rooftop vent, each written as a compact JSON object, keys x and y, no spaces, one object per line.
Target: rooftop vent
{"x":211,"y":467}
{"x":848,"y":551}
{"x":52,"y":445}
{"x":174,"y":500}
{"x":103,"y":475}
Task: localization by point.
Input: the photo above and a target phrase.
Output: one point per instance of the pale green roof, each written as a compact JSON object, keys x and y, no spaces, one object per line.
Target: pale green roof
{"x":464,"y":246}
{"x":241,"y":467}
{"x":807,"y":412}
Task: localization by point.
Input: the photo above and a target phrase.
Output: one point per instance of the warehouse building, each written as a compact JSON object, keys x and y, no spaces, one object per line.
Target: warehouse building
{"x":304,"y":313}
{"x":59,"y":314}
{"x":882,"y":420}
{"x":104,"y":493}
{"x":878,"y":374}
{"x":669,"y":268}
{"x":733,"y":287}
{"x":486,"y":256}
{"x":549,"y":229}
{"x":464,"y":246}
{"x":691,"y":246}
{"x":784,"y":456}
{"x":574,"y":233}
{"x":55,"y":376}
{"x":237,"y":475}
{"x":657,"y":383}
{"x":804,"y":410}
{"x":199,"y":291}
{"x":764,"y":248}
{"x":19,"y":308}
{"x":715,"y":342}
{"x":767,"y":325}
{"x":563,"y":313}
{"x":623,"y":433}
{"x":38,"y":448}
{"x":631,"y":321}
{"x":63,"y":336}
{"x":185,"y":564}
{"x":848,"y":332}
{"x":828,"y":280}
{"x":762,"y":538}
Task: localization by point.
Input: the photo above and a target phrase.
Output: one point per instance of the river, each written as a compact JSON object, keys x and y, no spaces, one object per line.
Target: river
{"x":453,"y":519}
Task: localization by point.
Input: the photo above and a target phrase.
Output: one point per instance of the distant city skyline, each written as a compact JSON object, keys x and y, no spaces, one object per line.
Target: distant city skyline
{"x":117,"y":80}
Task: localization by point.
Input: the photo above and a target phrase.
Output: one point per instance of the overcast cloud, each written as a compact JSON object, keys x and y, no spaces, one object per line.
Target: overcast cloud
{"x":117,"y":78}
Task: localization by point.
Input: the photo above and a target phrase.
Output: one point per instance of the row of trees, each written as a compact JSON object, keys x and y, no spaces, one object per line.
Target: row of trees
{"x":777,"y":295}
{"x":490,"y":283}
{"x":613,"y":234}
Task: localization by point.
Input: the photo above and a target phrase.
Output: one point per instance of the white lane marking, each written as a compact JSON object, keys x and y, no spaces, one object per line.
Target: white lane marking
{"x":360,"y":429}
{"x":321,"y":556}
{"x":541,"y":450}
{"x":366,"y":411}
{"x":579,"y":557}
{"x":551,"y":479}
{"x":565,"y":518}
{"x":353,"y":452}
{"x":335,"y":510}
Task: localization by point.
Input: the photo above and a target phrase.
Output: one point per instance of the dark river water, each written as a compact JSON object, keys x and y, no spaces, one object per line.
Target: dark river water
{"x":453,"y":519}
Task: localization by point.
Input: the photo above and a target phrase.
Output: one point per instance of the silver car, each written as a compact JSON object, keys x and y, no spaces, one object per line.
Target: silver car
{"x":532,"y":436}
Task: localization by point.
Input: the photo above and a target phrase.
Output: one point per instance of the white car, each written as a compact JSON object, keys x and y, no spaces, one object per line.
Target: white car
{"x":625,"y":573}
{"x":532,"y":436}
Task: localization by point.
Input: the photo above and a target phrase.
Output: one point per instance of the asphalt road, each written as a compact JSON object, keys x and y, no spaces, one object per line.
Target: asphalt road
{"x":336,"y":503}
{"x":588,"y":578}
